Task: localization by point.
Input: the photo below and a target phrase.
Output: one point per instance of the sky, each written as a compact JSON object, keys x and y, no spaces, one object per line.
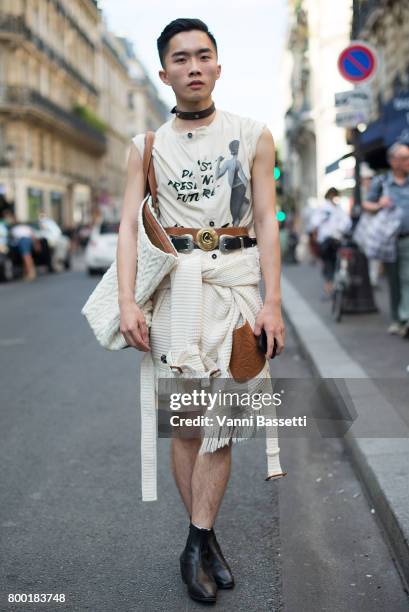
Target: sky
{"x":250,"y":36}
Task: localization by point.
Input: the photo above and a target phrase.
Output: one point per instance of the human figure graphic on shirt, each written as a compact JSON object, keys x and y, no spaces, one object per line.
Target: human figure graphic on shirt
{"x":237,"y":181}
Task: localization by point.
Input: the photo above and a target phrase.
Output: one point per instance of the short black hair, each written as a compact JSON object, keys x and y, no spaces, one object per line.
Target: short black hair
{"x":332,"y":192}
{"x":177,"y":26}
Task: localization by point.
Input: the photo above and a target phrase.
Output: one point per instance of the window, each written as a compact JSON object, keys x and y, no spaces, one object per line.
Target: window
{"x":35,"y":203}
{"x":56,"y":200}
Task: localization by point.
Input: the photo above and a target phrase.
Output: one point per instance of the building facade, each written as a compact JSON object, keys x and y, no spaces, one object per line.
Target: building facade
{"x":146,"y":111}
{"x":299,"y":147}
{"x":113,"y":102}
{"x":318,"y":31}
{"x":385,"y":25}
{"x":64,"y":109}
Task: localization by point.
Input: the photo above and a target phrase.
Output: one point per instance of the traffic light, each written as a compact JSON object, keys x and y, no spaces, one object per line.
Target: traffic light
{"x":280,"y":215}
{"x":278,"y":175}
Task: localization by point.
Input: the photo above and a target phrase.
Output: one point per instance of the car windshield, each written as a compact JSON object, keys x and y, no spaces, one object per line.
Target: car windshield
{"x":108,"y":227}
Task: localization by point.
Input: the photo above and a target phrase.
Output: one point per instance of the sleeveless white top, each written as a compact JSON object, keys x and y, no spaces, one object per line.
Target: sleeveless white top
{"x":204,"y":175}
{"x":203,"y":180}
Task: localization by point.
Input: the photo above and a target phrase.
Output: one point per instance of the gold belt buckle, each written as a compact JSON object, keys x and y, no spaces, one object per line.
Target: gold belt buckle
{"x":207,"y":238}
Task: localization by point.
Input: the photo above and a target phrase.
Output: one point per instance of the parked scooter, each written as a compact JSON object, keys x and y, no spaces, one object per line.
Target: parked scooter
{"x":352,"y":291}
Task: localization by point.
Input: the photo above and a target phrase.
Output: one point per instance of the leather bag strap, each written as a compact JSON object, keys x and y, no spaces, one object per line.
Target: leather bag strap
{"x":148,"y":169}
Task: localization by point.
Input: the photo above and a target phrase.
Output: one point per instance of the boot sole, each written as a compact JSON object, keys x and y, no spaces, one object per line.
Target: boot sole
{"x":219,"y":586}
{"x":205,"y":601}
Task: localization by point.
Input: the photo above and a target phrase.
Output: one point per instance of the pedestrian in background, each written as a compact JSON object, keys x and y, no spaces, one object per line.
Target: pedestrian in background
{"x":4,"y":233}
{"x":374,"y":265}
{"x":309,"y":213}
{"x":385,"y":191}
{"x":330,"y":222}
{"x":24,"y":239}
{"x":4,"y":203}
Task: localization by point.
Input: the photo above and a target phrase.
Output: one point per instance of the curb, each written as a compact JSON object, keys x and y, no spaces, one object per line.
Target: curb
{"x":380,"y":463}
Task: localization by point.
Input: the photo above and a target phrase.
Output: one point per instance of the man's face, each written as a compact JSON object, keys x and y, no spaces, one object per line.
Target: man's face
{"x":400,"y":160}
{"x":191,"y":67}
{"x":404,"y":158}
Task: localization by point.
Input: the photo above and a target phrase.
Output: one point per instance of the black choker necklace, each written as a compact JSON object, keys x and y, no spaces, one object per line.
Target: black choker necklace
{"x":189,"y":115}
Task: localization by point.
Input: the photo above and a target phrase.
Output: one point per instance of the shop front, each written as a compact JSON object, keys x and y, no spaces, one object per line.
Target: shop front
{"x":391,"y":126}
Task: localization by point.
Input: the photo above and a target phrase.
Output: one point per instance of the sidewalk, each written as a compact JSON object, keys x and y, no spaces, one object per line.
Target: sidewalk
{"x":364,"y":335}
{"x":373,"y":364}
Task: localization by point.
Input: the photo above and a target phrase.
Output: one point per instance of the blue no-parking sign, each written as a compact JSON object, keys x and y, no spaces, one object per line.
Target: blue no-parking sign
{"x":358,"y":62}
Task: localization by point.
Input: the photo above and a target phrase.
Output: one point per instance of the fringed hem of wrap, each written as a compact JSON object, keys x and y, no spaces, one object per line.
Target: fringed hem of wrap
{"x":233,"y":433}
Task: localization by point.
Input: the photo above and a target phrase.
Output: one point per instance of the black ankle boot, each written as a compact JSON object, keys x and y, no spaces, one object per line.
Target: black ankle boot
{"x":218,"y":564}
{"x":194,"y":566}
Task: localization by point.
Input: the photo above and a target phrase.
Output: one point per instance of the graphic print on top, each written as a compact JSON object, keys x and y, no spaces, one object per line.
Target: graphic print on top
{"x":204,"y":176}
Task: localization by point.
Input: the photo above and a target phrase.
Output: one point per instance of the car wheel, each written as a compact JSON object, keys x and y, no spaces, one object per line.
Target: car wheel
{"x":67,"y":263}
{"x":92,"y":271}
{"x":51,"y":262}
{"x":6,"y":271}
{"x":56,"y":265}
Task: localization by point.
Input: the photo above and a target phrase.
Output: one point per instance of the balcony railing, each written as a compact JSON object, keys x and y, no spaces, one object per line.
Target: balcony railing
{"x":16,"y":24}
{"x":13,"y":97}
{"x":73,"y":23}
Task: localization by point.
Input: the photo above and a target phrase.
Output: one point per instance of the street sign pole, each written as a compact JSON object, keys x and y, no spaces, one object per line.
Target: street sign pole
{"x":356,"y":209}
{"x":357,"y":64}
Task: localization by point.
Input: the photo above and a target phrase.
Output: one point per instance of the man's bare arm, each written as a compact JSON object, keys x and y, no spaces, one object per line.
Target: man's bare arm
{"x":132,"y":324}
{"x":268,"y":240}
{"x":375,"y":206}
{"x":376,"y":200}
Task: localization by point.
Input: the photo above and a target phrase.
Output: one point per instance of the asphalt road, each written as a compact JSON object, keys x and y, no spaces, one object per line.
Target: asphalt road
{"x":71,"y":516}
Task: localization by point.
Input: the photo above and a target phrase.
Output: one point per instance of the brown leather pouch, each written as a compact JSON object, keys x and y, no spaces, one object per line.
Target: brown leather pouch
{"x":246,"y":359}
{"x":155,"y":231}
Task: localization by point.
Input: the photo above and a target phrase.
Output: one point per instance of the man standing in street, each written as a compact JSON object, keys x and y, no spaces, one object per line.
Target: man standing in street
{"x":331,"y":222}
{"x":200,"y":201}
{"x":393,"y":188}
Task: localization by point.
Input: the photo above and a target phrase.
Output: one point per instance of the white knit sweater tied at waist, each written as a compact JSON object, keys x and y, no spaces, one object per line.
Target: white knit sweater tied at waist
{"x":209,"y":299}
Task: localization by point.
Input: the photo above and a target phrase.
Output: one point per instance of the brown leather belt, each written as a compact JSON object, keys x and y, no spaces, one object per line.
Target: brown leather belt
{"x":231,"y":231}
{"x":209,"y":238}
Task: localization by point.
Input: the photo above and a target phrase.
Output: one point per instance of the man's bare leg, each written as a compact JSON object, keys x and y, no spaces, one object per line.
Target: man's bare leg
{"x":202,"y":481}
{"x":183,"y":456}
{"x":203,"y":477}
{"x":29,"y":267}
{"x":209,"y":480}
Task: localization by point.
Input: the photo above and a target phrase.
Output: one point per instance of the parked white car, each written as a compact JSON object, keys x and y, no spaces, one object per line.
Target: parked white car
{"x":100,"y":251}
